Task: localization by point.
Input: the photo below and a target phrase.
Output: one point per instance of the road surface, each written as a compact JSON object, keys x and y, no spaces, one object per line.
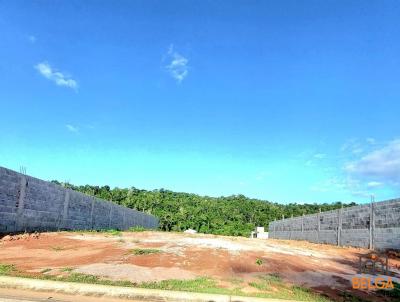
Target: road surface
{"x":18,"y":295}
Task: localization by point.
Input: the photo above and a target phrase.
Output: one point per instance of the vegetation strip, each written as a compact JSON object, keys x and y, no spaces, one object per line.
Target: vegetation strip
{"x":235,"y":215}
{"x":203,"y":285}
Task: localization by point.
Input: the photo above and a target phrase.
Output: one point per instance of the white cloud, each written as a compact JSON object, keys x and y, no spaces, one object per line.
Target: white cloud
{"x":57,"y":77}
{"x":381,"y":164}
{"x":319,"y":155}
{"x":357,"y":150}
{"x":72,"y":128}
{"x":178,"y":65}
{"x":352,"y":146}
{"x":371,"y":140}
{"x":374,"y":184}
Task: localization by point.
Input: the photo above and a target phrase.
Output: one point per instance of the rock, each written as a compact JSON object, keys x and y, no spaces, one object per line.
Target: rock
{"x":190,"y":231}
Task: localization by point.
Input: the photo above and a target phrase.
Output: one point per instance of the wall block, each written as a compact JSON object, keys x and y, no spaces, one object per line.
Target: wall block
{"x":30,"y":204}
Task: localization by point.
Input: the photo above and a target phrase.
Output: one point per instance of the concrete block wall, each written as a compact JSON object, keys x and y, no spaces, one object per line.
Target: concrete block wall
{"x":375,"y":226}
{"x":31,"y":204}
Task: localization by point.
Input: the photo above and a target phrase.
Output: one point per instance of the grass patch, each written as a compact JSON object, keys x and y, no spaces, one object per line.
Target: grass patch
{"x":67,"y":269}
{"x":259,"y":285}
{"x":201,"y":284}
{"x":236,"y":280}
{"x":259,"y":262}
{"x":46,"y":270}
{"x":113,"y":232}
{"x":145,"y":251}
{"x":272,"y":286}
{"x":57,"y":248}
{"x":92,"y":279}
{"x":6,"y":269}
{"x":137,"y":229}
{"x":272,"y":278}
{"x":81,"y":278}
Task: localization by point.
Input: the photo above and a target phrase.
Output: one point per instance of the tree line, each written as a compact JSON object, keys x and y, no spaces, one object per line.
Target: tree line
{"x":235,"y":215}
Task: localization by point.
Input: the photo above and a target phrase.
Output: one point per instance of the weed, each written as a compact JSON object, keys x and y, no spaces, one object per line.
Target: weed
{"x":201,"y":284}
{"x":57,"y":248}
{"x":6,"y":269}
{"x":259,"y":261}
{"x":260,"y":285}
{"x":198,"y":285}
{"x":81,"y":278}
{"x":137,"y":229}
{"x":272,"y":278}
{"x":113,"y":232}
{"x":236,"y":280}
{"x":145,"y":251}
{"x":92,"y":279}
{"x":67,"y":269}
{"x":46,"y":270}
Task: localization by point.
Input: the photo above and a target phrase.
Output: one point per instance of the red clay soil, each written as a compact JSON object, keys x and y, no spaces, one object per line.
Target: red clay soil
{"x":326,"y":269}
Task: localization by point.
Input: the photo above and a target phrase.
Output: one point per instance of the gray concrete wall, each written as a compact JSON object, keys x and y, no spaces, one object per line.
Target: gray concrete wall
{"x":31,"y":204}
{"x":374,"y":226}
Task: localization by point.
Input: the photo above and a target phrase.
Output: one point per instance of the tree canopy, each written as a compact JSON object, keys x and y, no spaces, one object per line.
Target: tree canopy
{"x":235,"y":215}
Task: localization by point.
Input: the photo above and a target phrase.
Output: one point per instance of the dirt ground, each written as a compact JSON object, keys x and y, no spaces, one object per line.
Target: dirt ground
{"x":323,"y":268}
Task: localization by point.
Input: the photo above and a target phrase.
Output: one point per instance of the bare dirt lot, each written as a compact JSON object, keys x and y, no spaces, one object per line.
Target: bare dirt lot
{"x":234,"y":262}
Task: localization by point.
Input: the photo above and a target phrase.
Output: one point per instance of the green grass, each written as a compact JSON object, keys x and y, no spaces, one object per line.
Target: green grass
{"x":137,"y":229}
{"x":236,"y":280}
{"x":6,"y":269}
{"x":67,"y":269}
{"x":91,"y":279}
{"x":259,"y":262}
{"x":201,"y":285}
{"x":272,"y":278}
{"x":113,"y":232}
{"x":145,"y":251}
{"x":274,"y":287}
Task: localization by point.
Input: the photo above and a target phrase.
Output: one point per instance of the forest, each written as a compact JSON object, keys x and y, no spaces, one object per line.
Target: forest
{"x":235,"y":215}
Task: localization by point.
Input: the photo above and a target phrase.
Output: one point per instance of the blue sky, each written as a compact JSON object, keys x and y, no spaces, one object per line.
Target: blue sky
{"x":290,"y":101}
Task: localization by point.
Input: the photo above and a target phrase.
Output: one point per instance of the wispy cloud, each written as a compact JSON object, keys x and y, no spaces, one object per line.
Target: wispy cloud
{"x":340,"y":184}
{"x":72,"y":128}
{"x":177,"y":65}
{"x":319,"y":155}
{"x":374,"y":184}
{"x":55,"y":76}
{"x":381,"y":164}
